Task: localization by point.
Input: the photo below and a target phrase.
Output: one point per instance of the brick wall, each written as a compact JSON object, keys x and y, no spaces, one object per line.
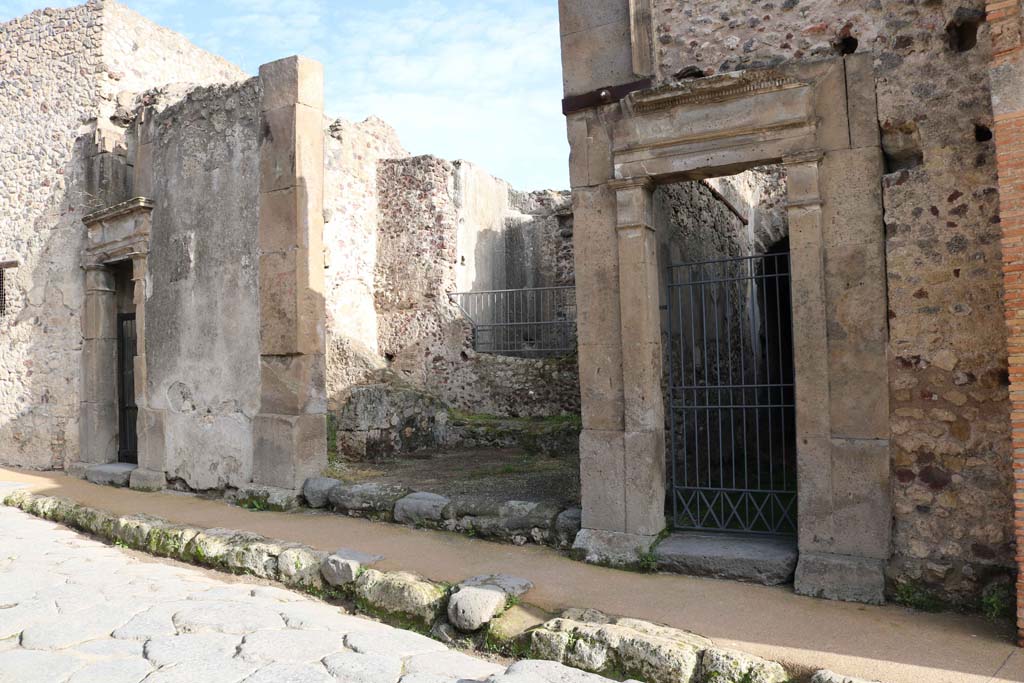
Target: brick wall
{"x":1004,"y":19}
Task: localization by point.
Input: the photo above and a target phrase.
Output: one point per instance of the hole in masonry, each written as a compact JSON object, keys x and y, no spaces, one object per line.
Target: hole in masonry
{"x":690,"y":72}
{"x":962,"y":32}
{"x":982,"y":133}
{"x":846,"y":45}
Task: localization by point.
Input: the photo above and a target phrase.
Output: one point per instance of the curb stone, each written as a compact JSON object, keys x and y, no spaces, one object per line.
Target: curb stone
{"x":582,"y":638}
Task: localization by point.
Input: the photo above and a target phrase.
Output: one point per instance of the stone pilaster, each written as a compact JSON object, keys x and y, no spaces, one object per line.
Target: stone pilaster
{"x":98,"y":408}
{"x":844,"y":508}
{"x":622,"y":448}
{"x":290,"y":432}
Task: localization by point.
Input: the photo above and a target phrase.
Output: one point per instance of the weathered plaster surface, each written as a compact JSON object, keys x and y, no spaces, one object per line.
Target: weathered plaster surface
{"x":949,"y":424}
{"x":202,"y":324}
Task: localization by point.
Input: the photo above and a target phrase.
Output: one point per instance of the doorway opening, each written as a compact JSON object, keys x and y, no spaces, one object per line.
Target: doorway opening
{"x":127,"y":348}
{"x":727,"y":327}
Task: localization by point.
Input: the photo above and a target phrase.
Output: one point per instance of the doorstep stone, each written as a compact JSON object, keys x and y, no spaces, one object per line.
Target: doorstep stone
{"x":110,"y":474}
{"x":755,"y":559}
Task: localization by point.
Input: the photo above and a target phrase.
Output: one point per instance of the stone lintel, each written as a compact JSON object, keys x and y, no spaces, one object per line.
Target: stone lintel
{"x":125,"y":208}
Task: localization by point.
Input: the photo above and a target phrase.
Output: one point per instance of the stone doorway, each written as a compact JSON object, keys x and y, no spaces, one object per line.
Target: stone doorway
{"x":127,"y":410}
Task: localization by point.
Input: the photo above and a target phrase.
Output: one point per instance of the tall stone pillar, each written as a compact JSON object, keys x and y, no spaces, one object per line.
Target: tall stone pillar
{"x":290,"y":431}
{"x":97,"y":427}
{"x":149,"y":476}
{"x":623,"y":463}
{"x":1006,"y":75}
{"x":843,"y":462}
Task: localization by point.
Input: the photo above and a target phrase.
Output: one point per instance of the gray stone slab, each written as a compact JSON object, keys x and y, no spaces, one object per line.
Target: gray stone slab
{"x":755,"y":559}
{"x":315,"y":490}
{"x":285,"y":672}
{"x":124,"y":670}
{"x":110,"y":474}
{"x":453,"y":664}
{"x":420,"y":507}
{"x":291,"y":645}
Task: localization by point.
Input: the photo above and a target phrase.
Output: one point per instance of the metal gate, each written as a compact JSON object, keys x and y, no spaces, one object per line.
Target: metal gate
{"x":127,"y":443}
{"x":732,"y":410}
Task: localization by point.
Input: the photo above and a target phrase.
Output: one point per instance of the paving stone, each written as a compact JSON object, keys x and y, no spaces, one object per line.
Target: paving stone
{"x":124,"y":670}
{"x":17,"y":666}
{"x":472,"y":607}
{"x":755,"y":559}
{"x":427,"y":678}
{"x":154,"y":622}
{"x":170,"y":650}
{"x":320,"y":616}
{"x":291,"y":645}
{"x":553,"y":672}
{"x":511,"y":585}
{"x":395,"y":643}
{"x":452,"y":664}
{"x":279,"y":594}
{"x":825,"y":676}
{"x":226,"y":618}
{"x":357,"y":667}
{"x":110,"y":474}
{"x":221,"y":670}
{"x":107,"y":647}
{"x":77,"y":627}
{"x":420,"y":507}
{"x":315,"y":490}
{"x":291,"y":673}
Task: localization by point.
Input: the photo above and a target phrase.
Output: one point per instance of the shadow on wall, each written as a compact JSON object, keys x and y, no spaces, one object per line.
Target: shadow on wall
{"x":41,"y":332}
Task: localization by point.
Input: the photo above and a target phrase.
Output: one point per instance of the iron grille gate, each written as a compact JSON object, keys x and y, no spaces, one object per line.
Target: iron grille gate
{"x":732,"y":410}
{"x":127,"y":446}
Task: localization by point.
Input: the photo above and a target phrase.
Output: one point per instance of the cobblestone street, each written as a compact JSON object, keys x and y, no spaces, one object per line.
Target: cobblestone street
{"x":75,"y":610}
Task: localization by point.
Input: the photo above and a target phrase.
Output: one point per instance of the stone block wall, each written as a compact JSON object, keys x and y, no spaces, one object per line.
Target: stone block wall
{"x":948,"y":366}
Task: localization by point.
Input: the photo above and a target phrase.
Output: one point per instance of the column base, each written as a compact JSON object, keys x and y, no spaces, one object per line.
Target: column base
{"x":840,"y":577}
{"x":288,"y":449}
{"x":147,"y":480}
{"x":76,"y":469}
{"x":611,"y":548}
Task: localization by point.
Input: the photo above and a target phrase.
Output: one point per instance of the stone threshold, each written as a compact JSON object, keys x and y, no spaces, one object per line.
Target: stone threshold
{"x":481,"y":612}
{"x":767,"y":560}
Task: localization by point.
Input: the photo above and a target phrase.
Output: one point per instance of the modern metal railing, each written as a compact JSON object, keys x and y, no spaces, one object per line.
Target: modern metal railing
{"x":528,"y":323}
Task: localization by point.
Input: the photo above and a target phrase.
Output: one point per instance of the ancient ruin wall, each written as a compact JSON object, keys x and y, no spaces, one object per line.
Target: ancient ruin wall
{"x":950,"y":428}
{"x":202,"y":309}
{"x":353,"y":153}
{"x":140,"y":54}
{"x":61,"y":69}
{"x":426,"y":214}
{"x":49,"y":80}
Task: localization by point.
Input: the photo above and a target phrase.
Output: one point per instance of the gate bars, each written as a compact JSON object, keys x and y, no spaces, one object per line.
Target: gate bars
{"x":732,"y":413}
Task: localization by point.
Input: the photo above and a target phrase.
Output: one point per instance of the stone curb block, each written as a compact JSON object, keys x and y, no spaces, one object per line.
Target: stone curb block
{"x":514,"y":521}
{"x":584,"y":639}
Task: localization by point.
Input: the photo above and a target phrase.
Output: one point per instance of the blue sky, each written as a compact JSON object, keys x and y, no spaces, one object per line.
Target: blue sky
{"x":461,"y":79}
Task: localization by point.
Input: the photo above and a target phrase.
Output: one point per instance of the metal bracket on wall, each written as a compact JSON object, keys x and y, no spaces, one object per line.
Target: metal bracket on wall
{"x":602,"y":96}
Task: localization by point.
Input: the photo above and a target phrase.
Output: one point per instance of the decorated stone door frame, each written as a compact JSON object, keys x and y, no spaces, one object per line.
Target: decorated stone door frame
{"x":820,"y":121}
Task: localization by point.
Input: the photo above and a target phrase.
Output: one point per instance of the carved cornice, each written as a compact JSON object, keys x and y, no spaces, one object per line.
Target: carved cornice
{"x":118,"y":210}
{"x":711,"y":89}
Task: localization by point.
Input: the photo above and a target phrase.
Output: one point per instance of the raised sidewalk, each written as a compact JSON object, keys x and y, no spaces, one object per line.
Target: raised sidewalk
{"x":890,"y":644}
